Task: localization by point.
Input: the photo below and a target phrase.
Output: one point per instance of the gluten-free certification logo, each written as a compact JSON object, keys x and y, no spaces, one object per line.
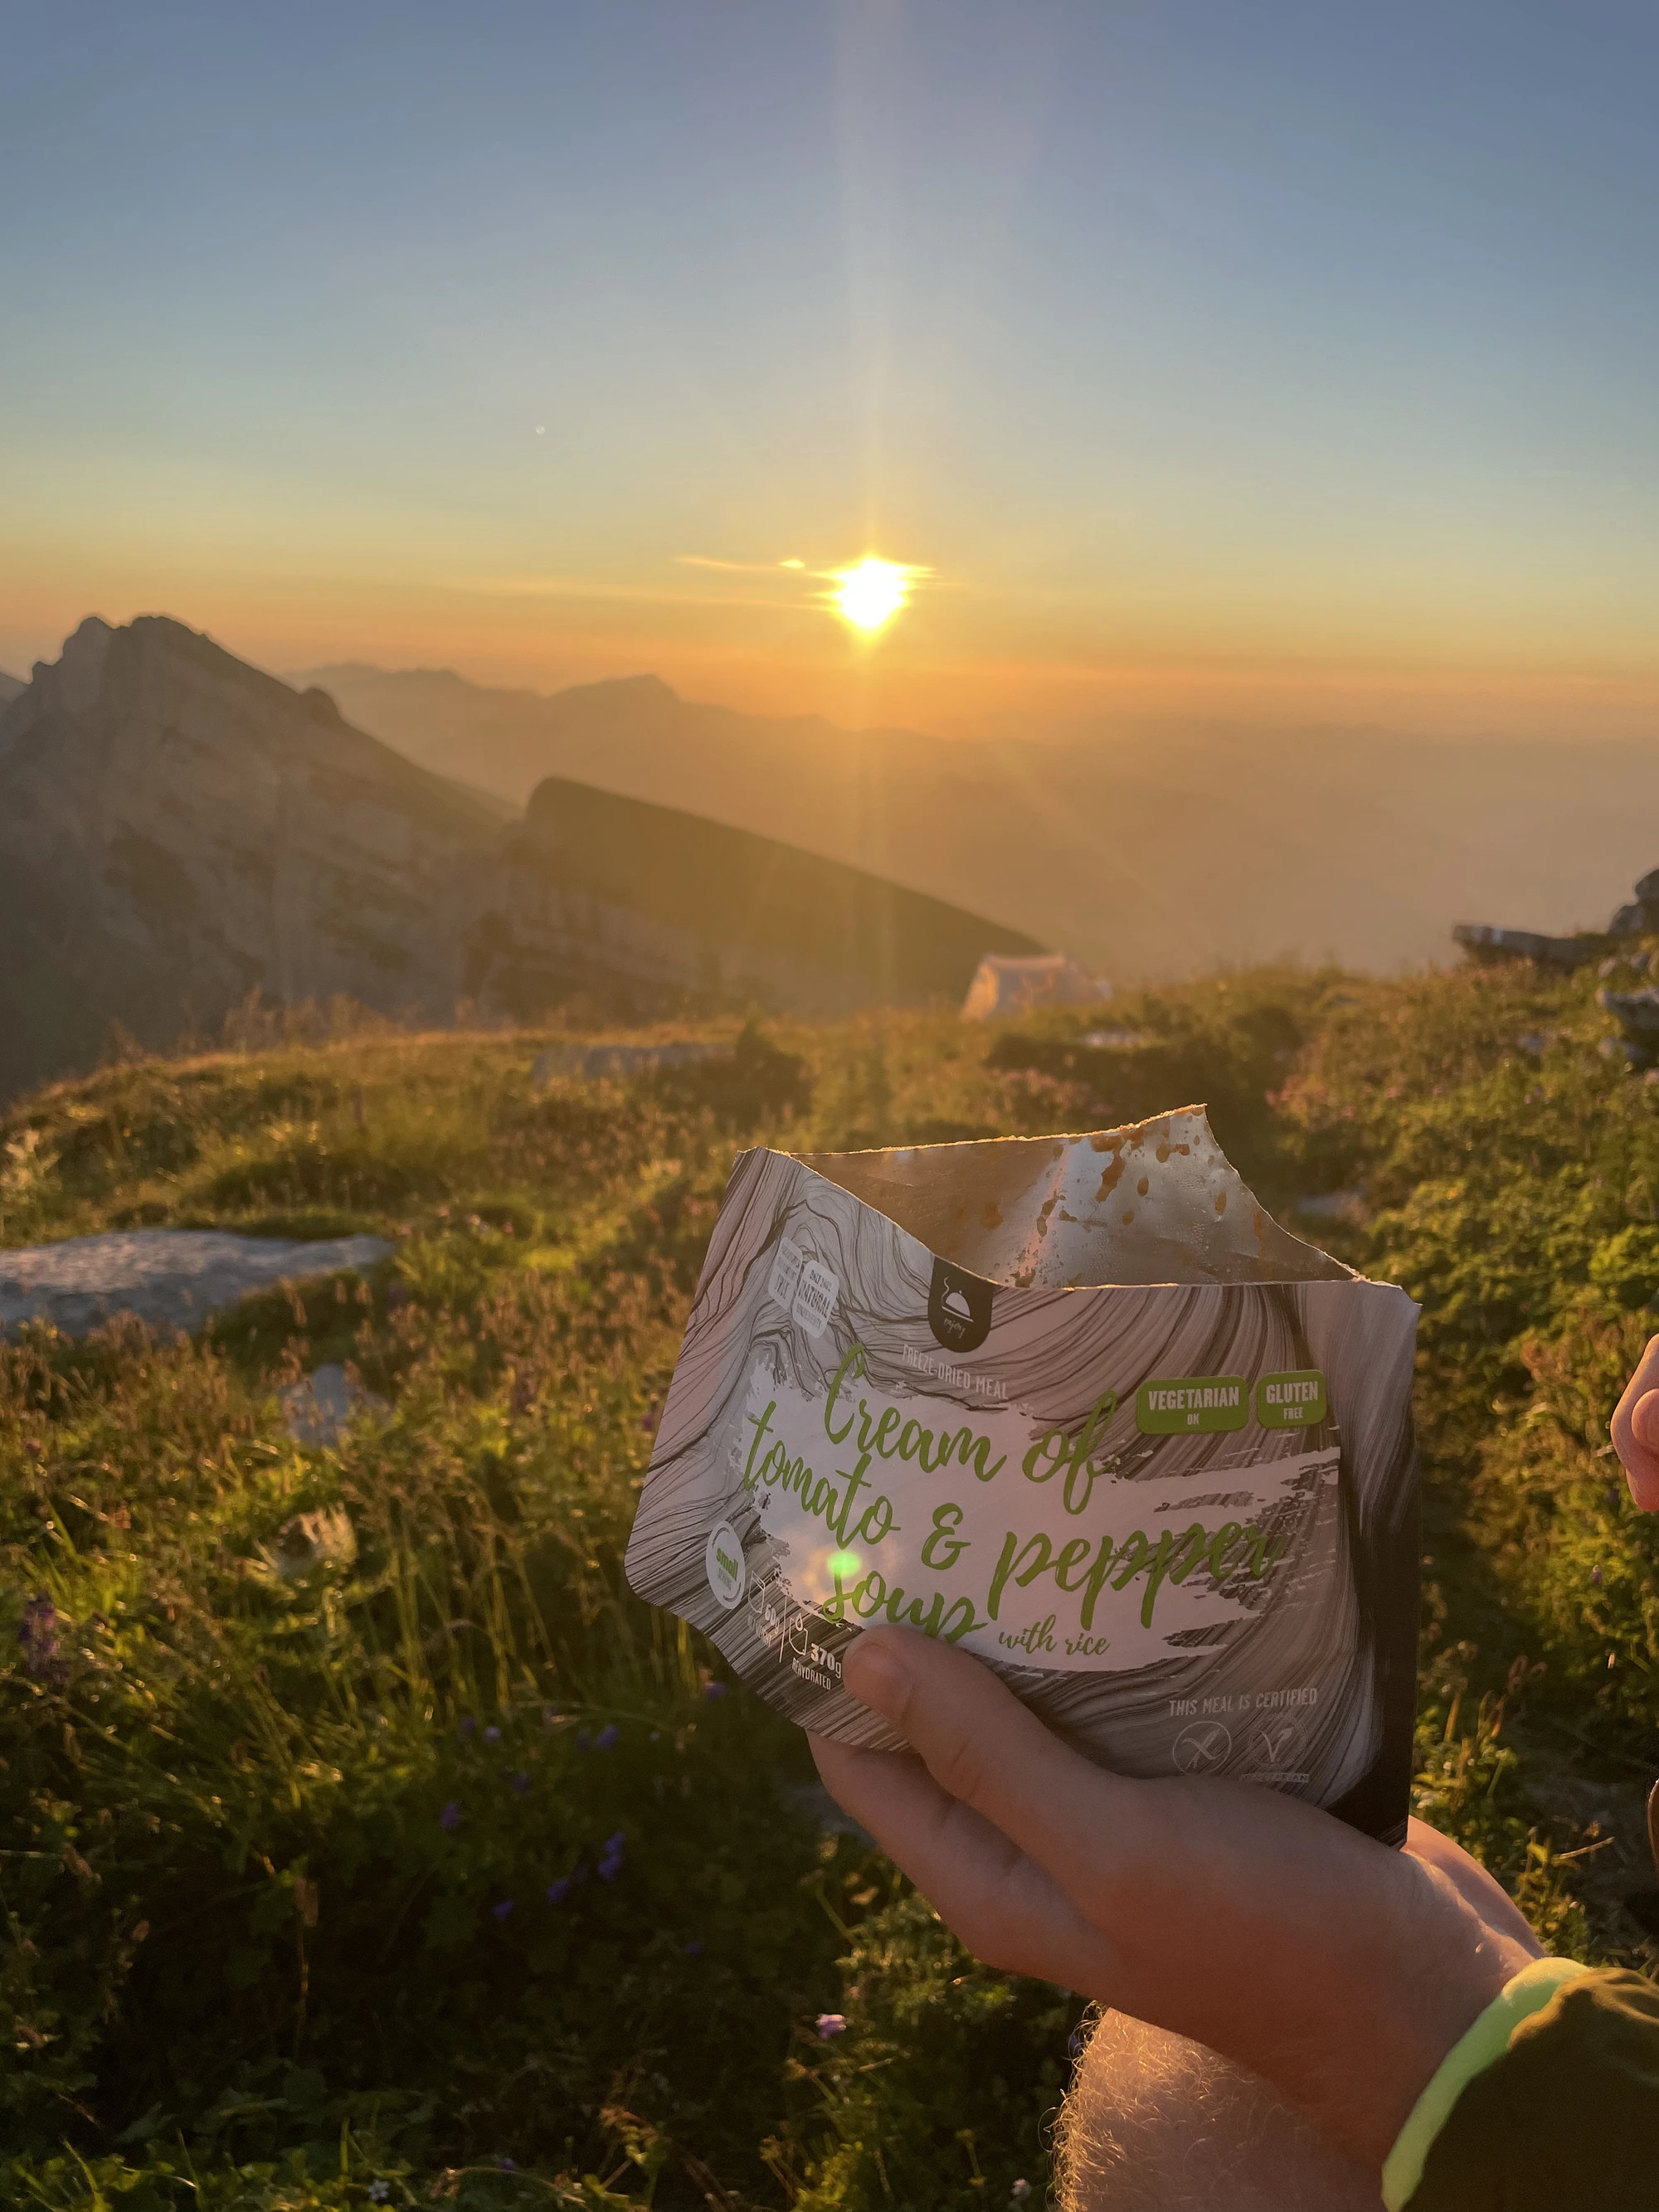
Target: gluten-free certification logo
{"x":1213,"y":1404}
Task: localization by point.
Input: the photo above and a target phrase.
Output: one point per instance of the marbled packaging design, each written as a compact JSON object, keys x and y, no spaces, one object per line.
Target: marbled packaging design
{"x":1079,"y":1404}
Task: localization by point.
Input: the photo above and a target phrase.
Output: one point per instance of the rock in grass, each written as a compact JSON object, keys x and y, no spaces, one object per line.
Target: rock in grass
{"x":319,"y":1407}
{"x":170,"y":1278}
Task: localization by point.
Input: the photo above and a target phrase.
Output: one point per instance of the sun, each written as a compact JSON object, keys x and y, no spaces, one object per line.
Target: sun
{"x":871,"y":592}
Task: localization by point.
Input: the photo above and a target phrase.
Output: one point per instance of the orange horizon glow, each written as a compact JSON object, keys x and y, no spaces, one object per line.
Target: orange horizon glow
{"x":949,"y":666}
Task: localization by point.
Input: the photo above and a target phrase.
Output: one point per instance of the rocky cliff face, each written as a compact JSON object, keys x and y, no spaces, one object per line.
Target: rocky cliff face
{"x":176,"y":829}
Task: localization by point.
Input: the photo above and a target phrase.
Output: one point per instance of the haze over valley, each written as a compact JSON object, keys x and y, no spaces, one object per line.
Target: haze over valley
{"x":1147,"y":850}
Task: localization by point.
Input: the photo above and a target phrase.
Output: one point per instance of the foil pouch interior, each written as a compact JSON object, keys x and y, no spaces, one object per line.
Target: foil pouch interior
{"x":1157,"y":1201}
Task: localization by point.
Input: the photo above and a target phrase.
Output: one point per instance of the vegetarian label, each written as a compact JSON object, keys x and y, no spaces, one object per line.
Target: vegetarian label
{"x":1200,"y":1404}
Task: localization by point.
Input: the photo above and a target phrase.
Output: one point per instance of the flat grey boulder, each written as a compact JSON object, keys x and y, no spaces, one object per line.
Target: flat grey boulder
{"x":170,"y":1278}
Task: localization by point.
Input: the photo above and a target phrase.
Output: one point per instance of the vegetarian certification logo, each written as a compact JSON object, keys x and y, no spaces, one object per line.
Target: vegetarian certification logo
{"x":1200,"y":1404}
{"x":723,"y":1562}
{"x":1290,"y":1401}
{"x":959,"y":1307}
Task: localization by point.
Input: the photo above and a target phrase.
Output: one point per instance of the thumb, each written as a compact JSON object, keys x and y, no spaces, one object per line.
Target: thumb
{"x":986,"y":1750}
{"x":1636,"y":1430}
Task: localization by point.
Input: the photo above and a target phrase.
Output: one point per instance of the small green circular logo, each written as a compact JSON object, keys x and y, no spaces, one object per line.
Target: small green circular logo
{"x":723,"y":1562}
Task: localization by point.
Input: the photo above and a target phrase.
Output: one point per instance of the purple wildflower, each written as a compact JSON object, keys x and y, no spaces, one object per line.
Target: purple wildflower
{"x":520,"y":1782}
{"x":558,"y":1891}
{"x":611,"y":1857}
{"x":507,"y":2166}
{"x":606,"y":1738}
{"x":831,"y":2024}
{"x":37,"y":1635}
{"x":1595,"y":1577}
{"x":694,"y":1950}
{"x":492,"y":1735}
{"x":714,"y":1691}
{"x":469,"y":1726}
{"x":503,"y":1909}
{"x":450,"y":1818}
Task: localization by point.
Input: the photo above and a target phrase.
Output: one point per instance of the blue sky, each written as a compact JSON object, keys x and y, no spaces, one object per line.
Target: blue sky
{"x":1266,"y":358}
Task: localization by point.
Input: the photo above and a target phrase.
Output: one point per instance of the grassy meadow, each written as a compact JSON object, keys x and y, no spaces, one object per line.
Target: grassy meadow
{"x":363,"y":1840}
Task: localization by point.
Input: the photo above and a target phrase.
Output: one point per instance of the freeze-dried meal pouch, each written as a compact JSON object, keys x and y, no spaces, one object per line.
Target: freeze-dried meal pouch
{"x":1078,"y":1405}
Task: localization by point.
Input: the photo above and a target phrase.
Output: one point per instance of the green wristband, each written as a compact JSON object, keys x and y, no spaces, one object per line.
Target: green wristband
{"x":1482,"y":2046}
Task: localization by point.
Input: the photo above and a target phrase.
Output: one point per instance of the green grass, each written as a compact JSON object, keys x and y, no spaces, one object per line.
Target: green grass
{"x":358,"y":1829}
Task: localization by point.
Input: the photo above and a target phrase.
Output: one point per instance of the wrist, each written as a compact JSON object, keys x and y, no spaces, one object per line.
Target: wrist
{"x":1430,"y":2018}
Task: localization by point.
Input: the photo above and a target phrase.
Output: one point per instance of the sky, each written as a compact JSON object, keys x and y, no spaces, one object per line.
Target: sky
{"x":1275,"y":362}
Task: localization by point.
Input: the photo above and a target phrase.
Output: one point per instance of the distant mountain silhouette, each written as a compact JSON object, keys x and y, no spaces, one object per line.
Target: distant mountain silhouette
{"x":1154,"y":850}
{"x":769,"y":921}
{"x":9,"y":687}
{"x":178,"y":830}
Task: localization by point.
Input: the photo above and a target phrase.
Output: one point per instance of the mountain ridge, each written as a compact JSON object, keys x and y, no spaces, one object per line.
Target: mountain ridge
{"x":179,"y":829}
{"x":1146,"y":851}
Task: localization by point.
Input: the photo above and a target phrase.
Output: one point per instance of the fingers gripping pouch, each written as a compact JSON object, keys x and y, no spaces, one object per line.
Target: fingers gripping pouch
{"x":1080,"y":1405}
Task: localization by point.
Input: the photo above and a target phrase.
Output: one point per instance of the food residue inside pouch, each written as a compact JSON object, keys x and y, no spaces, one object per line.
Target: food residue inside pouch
{"x":999,"y":1207}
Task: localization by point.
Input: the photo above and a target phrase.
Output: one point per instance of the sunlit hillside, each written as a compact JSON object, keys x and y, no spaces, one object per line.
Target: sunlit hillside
{"x":364,"y":1838}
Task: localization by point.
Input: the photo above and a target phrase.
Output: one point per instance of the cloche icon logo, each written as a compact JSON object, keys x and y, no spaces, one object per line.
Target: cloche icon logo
{"x":959,"y":1307}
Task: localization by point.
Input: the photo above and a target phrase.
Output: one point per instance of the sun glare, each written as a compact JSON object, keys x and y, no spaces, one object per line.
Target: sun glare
{"x":871,"y":592}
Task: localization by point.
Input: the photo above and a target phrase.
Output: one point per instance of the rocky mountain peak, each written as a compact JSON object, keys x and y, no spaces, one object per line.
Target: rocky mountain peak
{"x":178,"y":828}
{"x":70,"y":684}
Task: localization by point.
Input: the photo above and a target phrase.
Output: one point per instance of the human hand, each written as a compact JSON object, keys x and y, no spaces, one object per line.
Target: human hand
{"x":1338,"y":1970}
{"x":1636,"y":1430}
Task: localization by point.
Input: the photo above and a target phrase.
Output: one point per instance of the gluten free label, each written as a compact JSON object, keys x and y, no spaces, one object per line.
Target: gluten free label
{"x":1192,"y":1405}
{"x":1290,"y":1401}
